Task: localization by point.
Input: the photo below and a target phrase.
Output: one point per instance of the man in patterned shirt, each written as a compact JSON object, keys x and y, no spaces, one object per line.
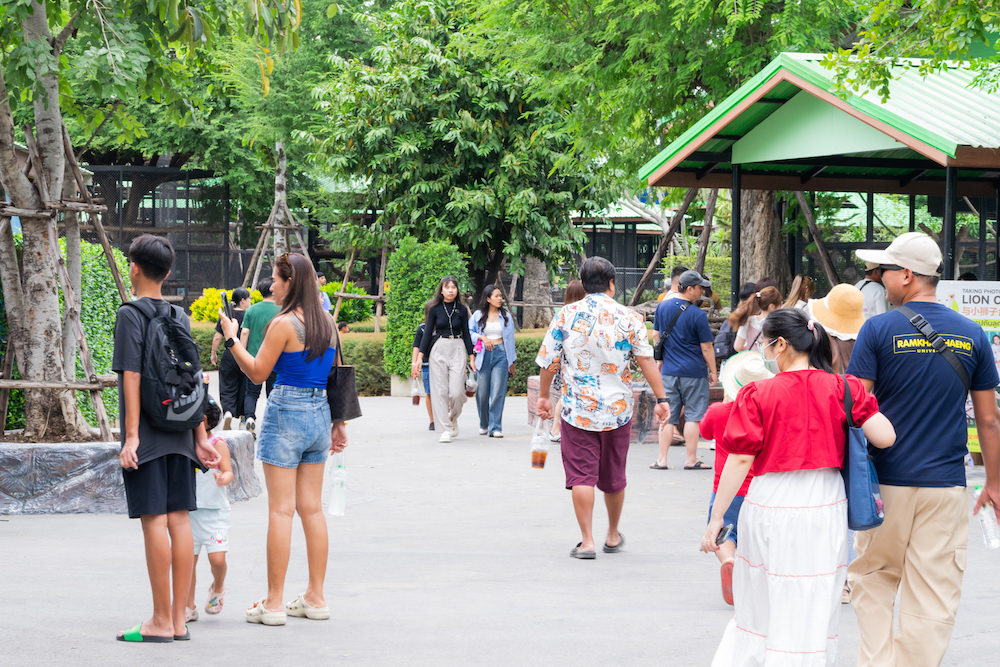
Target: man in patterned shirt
{"x":591,"y":342}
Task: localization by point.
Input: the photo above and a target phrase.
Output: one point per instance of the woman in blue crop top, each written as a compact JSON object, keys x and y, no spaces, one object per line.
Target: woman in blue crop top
{"x":296,"y":435}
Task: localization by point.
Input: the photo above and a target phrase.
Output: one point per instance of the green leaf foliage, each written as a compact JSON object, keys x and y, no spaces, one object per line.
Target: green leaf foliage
{"x":942,"y":31}
{"x":413,"y":274}
{"x":351,"y":310}
{"x":630,"y":75}
{"x":442,"y":143}
{"x":717,"y":269}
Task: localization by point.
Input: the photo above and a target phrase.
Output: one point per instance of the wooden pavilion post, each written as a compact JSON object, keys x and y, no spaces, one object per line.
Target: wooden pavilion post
{"x":668,"y":236}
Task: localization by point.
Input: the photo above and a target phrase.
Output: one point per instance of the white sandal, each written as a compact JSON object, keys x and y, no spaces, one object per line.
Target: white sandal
{"x":258,"y":614}
{"x":302,"y":609}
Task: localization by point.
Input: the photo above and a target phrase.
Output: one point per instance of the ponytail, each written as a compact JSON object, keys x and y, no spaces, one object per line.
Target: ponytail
{"x":755,"y":304}
{"x":803,"y":334}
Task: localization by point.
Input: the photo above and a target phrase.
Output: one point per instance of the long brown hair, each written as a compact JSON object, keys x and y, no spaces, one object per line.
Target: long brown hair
{"x":803,"y":289}
{"x":302,"y":294}
{"x":574,"y":291}
{"x":756,"y":304}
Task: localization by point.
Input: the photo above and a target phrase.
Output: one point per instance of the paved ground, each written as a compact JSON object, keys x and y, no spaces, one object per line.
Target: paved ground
{"x":448,"y":555}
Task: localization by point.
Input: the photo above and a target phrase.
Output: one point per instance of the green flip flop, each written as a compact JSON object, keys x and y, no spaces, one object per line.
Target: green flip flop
{"x":135,"y":635}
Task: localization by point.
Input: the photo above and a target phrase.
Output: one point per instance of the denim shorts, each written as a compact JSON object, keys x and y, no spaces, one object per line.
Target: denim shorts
{"x":296,"y":427}
{"x":425,"y":375}
{"x":732,"y":515}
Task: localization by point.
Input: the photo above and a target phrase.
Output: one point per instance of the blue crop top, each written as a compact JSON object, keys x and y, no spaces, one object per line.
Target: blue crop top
{"x":293,"y":370}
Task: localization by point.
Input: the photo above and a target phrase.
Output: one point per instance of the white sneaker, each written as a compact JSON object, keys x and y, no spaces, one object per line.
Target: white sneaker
{"x":454,"y":431}
{"x":227,"y":420}
{"x":445,"y":437}
{"x":243,"y":424}
{"x":496,"y":434}
{"x":482,"y":431}
{"x":252,"y":425}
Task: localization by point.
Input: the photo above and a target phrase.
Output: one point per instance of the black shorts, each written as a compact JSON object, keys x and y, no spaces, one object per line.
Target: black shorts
{"x":165,"y":484}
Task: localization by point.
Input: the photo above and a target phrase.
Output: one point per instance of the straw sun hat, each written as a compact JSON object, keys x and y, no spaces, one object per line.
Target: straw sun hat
{"x":741,"y":369}
{"x":840,"y":311}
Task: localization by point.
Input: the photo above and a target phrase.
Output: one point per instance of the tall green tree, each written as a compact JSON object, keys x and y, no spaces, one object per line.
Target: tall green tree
{"x":443,"y":143}
{"x":630,"y":76}
{"x":133,"y":49}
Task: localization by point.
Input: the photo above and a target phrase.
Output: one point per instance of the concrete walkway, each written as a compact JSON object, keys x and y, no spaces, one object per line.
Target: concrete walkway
{"x":448,"y":555}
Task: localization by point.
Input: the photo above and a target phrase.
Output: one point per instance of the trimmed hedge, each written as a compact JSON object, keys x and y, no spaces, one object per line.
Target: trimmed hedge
{"x":351,"y":310}
{"x":203,"y":332}
{"x":526,"y":347}
{"x":412,"y":274}
{"x":718,"y":270}
{"x":365,"y":354}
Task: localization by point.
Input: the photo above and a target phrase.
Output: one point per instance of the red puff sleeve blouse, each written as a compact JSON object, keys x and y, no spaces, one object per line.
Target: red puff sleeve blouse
{"x":795,"y":420}
{"x":713,"y":427}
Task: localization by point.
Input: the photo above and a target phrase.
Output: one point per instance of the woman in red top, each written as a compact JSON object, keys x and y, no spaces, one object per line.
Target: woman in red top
{"x":791,"y":559}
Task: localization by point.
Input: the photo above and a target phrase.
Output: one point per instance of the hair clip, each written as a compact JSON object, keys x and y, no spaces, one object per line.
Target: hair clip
{"x":810,"y":325}
{"x":757,"y":295}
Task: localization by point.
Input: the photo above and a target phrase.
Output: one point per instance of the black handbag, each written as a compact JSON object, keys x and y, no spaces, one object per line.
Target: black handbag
{"x":342,"y":390}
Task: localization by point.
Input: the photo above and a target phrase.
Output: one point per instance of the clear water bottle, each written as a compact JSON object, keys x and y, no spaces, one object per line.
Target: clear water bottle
{"x":988,"y":522}
{"x":338,"y":485}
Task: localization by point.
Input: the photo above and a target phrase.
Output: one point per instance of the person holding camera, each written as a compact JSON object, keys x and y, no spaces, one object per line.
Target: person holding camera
{"x":681,"y":331}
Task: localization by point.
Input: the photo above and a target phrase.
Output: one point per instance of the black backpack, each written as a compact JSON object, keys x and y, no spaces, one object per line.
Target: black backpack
{"x":724,"y":341}
{"x":172,"y":392}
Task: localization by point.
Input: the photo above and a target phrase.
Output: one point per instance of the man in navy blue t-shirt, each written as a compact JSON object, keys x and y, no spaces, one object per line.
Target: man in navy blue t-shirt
{"x":920,"y":548}
{"x":688,"y":365}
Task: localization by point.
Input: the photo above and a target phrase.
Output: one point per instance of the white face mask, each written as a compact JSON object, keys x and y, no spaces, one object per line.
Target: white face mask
{"x":770,"y":364}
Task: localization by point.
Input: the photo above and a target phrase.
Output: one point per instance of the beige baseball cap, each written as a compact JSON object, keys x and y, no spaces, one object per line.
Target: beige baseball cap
{"x":869,"y":266}
{"x":915,"y":251}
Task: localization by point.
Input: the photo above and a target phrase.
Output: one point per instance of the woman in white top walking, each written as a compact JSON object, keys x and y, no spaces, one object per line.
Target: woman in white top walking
{"x":748,"y":318}
{"x":492,"y":327}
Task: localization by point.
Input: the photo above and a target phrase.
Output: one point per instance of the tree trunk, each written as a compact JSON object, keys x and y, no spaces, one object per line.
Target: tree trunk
{"x":278,"y":217}
{"x":706,"y":231}
{"x":537,"y":289}
{"x":762,"y":249}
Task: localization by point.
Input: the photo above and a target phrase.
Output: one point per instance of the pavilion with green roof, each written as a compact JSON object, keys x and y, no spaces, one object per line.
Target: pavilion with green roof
{"x":787,"y":128}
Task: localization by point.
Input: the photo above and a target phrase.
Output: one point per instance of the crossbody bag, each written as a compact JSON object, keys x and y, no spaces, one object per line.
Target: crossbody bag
{"x":658,"y":350}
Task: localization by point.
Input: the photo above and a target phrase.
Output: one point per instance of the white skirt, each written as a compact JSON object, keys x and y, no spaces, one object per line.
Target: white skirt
{"x":791,"y":564}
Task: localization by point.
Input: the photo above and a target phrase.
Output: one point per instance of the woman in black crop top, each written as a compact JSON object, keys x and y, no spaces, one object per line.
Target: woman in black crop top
{"x":448,"y":323}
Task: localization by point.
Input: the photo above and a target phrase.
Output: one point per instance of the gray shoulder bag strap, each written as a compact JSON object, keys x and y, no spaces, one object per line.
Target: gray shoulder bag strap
{"x":937,"y":342}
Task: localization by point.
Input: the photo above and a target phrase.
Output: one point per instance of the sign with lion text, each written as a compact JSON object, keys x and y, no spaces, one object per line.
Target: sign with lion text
{"x":980,"y":302}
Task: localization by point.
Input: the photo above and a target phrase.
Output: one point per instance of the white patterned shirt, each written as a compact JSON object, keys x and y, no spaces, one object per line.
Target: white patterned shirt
{"x":592,"y":342}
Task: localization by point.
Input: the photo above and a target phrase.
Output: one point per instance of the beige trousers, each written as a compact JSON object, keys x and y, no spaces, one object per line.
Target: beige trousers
{"x":919,"y":552}
{"x":448,"y":366}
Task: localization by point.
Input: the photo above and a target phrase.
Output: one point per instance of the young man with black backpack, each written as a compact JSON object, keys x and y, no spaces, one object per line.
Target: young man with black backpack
{"x":161,"y":401}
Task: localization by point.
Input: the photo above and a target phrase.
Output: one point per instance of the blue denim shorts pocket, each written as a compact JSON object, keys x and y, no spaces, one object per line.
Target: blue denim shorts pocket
{"x":295,"y":429}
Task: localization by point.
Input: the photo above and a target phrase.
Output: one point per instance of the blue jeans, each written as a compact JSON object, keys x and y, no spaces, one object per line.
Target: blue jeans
{"x":491,"y":389}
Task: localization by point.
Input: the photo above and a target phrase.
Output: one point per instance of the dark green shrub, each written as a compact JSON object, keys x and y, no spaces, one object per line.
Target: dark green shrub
{"x":202,"y":335}
{"x":99,"y":301}
{"x":527,"y":349}
{"x":365,"y":354}
{"x":412,"y":274}
{"x":351,"y":310}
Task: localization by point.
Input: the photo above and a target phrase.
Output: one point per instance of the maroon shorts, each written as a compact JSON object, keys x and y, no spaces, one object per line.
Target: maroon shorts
{"x":595,"y":458}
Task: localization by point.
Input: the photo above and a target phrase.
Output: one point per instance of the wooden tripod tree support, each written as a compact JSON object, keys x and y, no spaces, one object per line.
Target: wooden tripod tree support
{"x":71,"y":313}
{"x":343,"y":284}
{"x":668,"y":236}
{"x":279,"y":222}
{"x":824,"y":256}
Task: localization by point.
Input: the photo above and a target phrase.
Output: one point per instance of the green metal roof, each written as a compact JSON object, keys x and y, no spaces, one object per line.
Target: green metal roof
{"x":931,"y":117}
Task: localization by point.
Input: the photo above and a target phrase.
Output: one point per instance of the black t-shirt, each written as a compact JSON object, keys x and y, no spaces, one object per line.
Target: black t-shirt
{"x":419,"y":338}
{"x":238,"y":314}
{"x":451,"y":321}
{"x":130,"y":331}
